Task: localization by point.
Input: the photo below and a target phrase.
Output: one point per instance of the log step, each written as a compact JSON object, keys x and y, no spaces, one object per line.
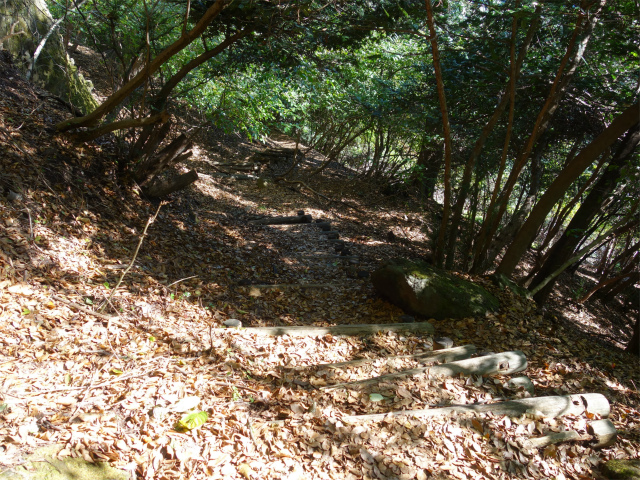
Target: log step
{"x":366,"y":329}
{"x":554,"y":406}
{"x":499,"y":363}
{"x":452,"y":354}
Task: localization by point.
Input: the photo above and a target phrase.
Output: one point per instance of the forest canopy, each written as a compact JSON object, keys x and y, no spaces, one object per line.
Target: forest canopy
{"x":519,"y":117}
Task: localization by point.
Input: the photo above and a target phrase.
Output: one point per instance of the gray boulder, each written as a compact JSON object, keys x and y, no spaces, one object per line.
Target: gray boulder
{"x":424,"y":290}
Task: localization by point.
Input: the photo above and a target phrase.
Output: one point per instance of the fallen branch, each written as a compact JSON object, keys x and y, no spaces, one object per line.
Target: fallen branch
{"x":555,"y":406}
{"x":299,"y":183}
{"x":152,"y":219}
{"x":291,"y":285}
{"x":499,"y":363}
{"x":449,"y":355}
{"x":301,"y":331}
{"x":108,"y":318}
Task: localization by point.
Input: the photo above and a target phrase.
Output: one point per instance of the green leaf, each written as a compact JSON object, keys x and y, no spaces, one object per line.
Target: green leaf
{"x":191,"y":421}
{"x":376,"y":397}
{"x":115,"y":371}
{"x":88,"y":301}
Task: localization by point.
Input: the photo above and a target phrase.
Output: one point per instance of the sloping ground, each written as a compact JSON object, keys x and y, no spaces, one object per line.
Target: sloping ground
{"x":111,"y":386}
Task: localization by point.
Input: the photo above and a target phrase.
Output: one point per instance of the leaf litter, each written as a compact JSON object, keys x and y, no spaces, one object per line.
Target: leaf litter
{"x":113,"y":385}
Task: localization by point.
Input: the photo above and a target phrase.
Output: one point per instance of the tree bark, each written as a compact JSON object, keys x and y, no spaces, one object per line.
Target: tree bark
{"x":556,"y":190}
{"x":633,"y":346}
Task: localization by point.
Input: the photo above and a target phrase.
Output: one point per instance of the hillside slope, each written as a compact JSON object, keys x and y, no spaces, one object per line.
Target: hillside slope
{"x":102,"y":370}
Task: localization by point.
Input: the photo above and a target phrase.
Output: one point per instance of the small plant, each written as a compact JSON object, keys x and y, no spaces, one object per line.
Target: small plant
{"x":579,"y":290}
{"x":236,"y":395}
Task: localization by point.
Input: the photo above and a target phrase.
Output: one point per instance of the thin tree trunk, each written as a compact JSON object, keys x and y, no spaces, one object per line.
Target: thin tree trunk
{"x":518,"y":218}
{"x":440,"y":243}
{"x":622,"y":225}
{"x":480,"y":245}
{"x":566,"y":71}
{"x":559,"y":219}
{"x":558,"y":187}
{"x":619,"y":259}
{"x":486,"y":131}
{"x":617,"y":288}
{"x":604,"y":283}
{"x":118,"y":97}
{"x":633,"y":346}
{"x":592,"y":206}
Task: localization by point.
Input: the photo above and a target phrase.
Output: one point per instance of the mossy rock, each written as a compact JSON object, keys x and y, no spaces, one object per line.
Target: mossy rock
{"x":54,"y":71}
{"x":621,"y":469}
{"x":44,"y":464}
{"x":424,"y":290}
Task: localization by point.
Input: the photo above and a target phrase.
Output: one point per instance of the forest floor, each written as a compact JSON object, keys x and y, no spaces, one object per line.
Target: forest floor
{"x":108,"y":372}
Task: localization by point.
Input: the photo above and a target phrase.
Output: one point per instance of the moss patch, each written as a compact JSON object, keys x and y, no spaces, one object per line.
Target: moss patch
{"x":54,"y":71}
{"x":422,"y":289}
{"x":44,"y":464}
{"x":622,"y":469}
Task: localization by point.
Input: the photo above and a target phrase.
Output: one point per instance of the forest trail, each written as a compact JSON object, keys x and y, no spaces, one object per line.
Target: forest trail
{"x":113,"y":384}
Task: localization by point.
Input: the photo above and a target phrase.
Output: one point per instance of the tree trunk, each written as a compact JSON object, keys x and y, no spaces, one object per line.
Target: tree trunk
{"x":507,"y":98}
{"x":564,"y":75}
{"x":511,"y":229}
{"x":159,"y":188}
{"x":592,"y":205}
{"x":446,"y":128}
{"x":634,"y":344}
{"x":613,"y":290}
{"x":558,"y":187}
{"x":147,"y":170}
{"x":616,"y":229}
{"x":562,"y":214}
{"x":610,"y":281}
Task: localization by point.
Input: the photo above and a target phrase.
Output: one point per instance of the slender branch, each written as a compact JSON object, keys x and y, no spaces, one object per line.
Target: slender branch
{"x":135,"y":254}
